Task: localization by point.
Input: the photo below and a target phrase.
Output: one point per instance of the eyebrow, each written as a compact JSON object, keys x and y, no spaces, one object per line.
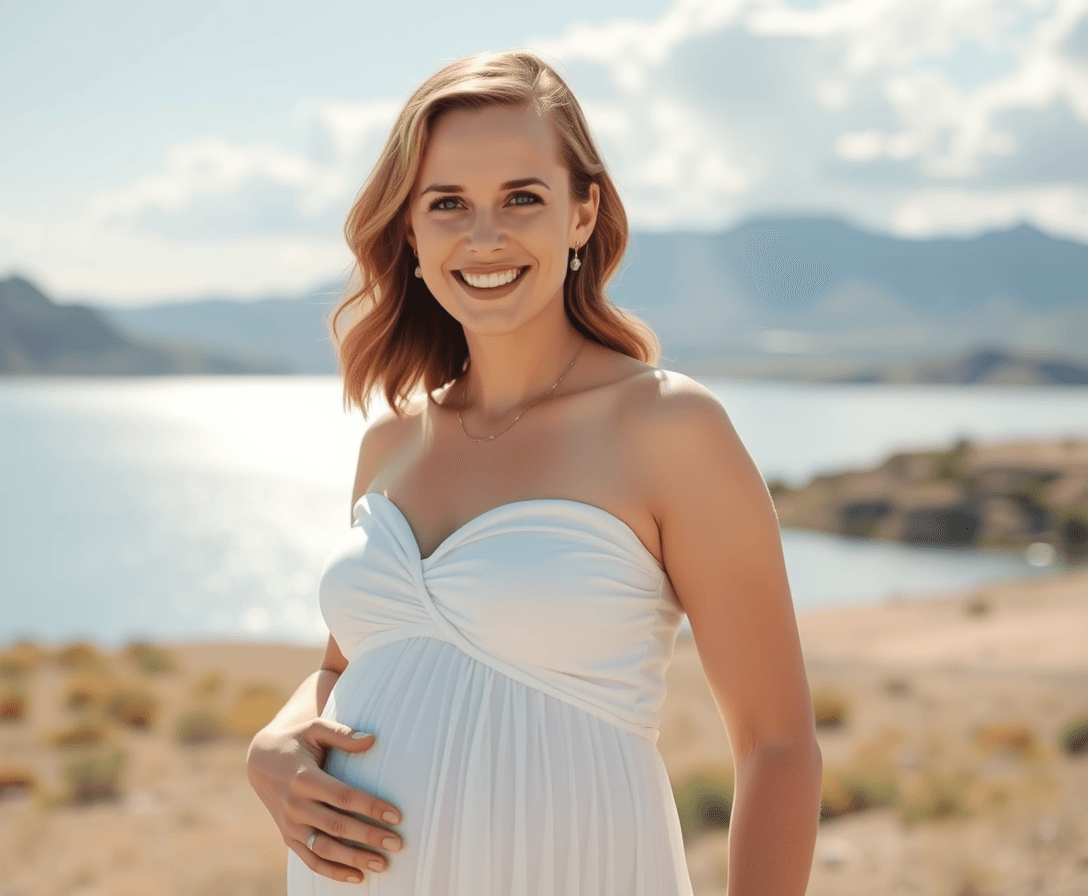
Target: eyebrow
{"x":509,"y":185}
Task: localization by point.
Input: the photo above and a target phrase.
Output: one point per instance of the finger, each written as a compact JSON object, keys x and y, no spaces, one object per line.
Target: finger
{"x":346,"y":854}
{"x":326,"y":733}
{"x":322,"y":787}
{"x":344,"y":873}
{"x":347,"y":827}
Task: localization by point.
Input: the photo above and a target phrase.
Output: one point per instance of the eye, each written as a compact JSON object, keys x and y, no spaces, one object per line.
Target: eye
{"x":531,"y":199}
{"x":438,"y":203}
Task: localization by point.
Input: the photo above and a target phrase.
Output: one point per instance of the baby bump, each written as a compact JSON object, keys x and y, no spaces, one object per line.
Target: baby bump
{"x":480,"y":763}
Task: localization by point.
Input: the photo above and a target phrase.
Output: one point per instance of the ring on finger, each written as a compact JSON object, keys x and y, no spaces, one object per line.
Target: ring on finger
{"x":310,"y":840}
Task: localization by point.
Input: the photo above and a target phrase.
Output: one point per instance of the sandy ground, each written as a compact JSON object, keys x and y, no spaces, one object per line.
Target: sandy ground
{"x":960,"y":699}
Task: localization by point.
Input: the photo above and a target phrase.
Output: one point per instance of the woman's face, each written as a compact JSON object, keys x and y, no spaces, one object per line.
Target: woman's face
{"x":491,"y":217}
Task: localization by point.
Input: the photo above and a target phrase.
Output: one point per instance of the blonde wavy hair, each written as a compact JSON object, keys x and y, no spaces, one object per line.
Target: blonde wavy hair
{"x":390,"y":332}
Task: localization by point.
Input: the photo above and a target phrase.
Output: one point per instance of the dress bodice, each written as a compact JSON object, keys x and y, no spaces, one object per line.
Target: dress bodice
{"x":558,"y":594}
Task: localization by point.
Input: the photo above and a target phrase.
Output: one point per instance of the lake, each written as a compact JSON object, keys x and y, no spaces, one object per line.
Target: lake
{"x":195,"y":507}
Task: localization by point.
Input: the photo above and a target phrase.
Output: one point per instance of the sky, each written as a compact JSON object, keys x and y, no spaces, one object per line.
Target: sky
{"x":157,"y":151}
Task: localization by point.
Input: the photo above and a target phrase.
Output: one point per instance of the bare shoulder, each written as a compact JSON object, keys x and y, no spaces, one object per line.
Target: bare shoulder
{"x":384,"y":437}
{"x":661,"y":407}
{"x":683,"y":441}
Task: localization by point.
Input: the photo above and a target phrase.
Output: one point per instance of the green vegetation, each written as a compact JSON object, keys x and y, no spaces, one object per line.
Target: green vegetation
{"x":149,"y":658}
{"x":704,"y":801}
{"x":95,"y":776}
{"x":1074,"y":737}
{"x":200,"y":725}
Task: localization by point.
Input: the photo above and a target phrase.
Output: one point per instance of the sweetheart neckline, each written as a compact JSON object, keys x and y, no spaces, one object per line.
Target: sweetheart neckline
{"x":506,"y":506}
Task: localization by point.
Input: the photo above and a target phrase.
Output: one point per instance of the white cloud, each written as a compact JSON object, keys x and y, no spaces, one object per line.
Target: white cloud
{"x":917,"y":116}
{"x":911,"y":100}
{"x":210,"y":188}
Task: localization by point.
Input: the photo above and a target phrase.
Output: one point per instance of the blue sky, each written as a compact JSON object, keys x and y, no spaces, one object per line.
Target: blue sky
{"x":153,"y":151}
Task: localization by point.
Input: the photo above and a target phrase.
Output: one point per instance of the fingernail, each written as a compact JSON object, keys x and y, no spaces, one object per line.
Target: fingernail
{"x":390,"y":818}
{"x":354,"y":880}
{"x":375,"y":865}
{"x":359,"y":735}
{"x":391,"y":843}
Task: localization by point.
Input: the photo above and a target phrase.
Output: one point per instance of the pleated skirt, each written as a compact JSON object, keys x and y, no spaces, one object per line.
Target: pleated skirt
{"x":504,"y":790}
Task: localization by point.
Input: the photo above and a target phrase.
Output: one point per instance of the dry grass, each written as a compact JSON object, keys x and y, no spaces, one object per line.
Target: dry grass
{"x":88,"y":689}
{"x":830,"y":708}
{"x":200,"y":725}
{"x":13,"y":705}
{"x":83,"y":733}
{"x":16,"y":779}
{"x":134,"y":707}
{"x":81,"y":655}
{"x":1074,"y":737}
{"x":20,"y":660}
{"x":254,"y":707}
{"x":1012,"y":738}
{"x":94,"y":776}
{"x":869,"y":781}
{"x":209,"y":686}
{"x":935,"y":795}
{"x":704,"y":801}
{"x":150,"y":659}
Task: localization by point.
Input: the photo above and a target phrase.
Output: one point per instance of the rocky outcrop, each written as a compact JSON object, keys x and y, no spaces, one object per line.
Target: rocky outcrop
{"x":1007,"y":495}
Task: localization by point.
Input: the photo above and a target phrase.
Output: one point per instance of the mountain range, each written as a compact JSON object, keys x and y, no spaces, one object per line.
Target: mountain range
{"x":809,"y":298}
{"x":38,"y":336}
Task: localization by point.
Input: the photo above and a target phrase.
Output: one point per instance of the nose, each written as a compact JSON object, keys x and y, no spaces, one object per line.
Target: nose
{"x":485,"y":233}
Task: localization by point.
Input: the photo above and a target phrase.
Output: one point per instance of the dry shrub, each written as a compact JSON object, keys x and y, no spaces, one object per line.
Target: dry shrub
{"x":134,"y":707}
{"x":209,"y":686}
{"x":830,"y":708}
{"x":869,"y":781}
{"x":200,"y":725}
{"x":704,"y":801}
{"x":16,"y":780}
{"x":20,"y":660}
{"x":1074,"y":737}
{"x":12,"y":706}
{"x":81,"y":734}
{"x":149,"y":658}
{"x":897,"y":687}
{"x":88,"y":689}
{"x":1008,"y":737}
{"x":254,"y":708}
{"x":81,"y":655}
{"x":935,"y":796}
{"x":95,"y":776}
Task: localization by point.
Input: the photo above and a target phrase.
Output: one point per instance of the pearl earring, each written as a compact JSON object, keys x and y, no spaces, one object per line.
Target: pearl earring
{"x":419,"y":273}
{"x":574,"y":262}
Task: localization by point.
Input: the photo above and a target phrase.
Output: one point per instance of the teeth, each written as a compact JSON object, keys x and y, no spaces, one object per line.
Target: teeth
{"x":490,"y":281}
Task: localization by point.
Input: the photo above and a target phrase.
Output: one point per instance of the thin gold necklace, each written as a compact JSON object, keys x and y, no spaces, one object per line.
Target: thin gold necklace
{"x":535,"y":401}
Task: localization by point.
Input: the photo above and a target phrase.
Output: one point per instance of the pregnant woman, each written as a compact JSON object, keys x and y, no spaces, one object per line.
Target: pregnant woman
{"x":531,"y":521}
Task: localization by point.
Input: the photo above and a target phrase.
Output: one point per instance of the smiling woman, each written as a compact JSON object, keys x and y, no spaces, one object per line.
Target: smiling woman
{"x":505,"y":605}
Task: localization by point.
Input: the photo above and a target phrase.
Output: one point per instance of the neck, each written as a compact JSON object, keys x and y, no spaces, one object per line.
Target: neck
{"x":507,"y":372}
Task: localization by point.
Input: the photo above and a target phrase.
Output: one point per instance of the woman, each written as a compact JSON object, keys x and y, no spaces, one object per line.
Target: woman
{"x":527,"y":535}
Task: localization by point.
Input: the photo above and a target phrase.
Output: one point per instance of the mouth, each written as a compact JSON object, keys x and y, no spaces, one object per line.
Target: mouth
{"x":493,"y":280}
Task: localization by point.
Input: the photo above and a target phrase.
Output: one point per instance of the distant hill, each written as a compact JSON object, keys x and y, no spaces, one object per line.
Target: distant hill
{"x":992,"y":367}
{"x":805,"y":297}
{"x":984,"y":366}
{"x":292,"y":329}
{"x":37,"y":336}
{"x":824,"y":289}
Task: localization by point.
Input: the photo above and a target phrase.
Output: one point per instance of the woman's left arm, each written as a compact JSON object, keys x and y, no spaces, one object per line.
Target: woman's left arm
{"x":723,"y":553}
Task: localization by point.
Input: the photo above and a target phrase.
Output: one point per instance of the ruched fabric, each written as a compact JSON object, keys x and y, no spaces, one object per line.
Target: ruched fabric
{"x":513,"y":681}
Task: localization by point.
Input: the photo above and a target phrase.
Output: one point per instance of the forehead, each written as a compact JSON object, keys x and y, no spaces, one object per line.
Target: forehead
{"x":495,"y":144}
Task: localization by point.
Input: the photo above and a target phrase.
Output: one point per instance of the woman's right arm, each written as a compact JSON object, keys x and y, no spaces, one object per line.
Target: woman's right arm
{"x":286,"y":758}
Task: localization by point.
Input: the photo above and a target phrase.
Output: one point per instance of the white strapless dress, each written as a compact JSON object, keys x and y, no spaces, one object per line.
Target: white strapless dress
{"x":513,"y":681}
